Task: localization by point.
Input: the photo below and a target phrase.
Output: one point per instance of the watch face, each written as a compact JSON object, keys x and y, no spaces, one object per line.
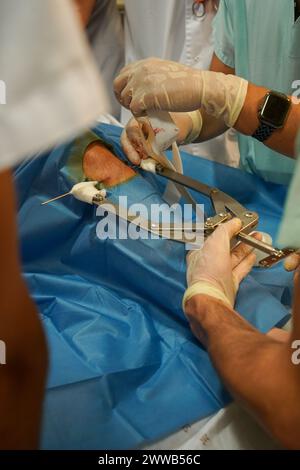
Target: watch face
{"x":275,"y":109}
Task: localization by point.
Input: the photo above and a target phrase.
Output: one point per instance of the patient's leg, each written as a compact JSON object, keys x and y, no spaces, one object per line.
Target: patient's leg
{"x":100,"y":164}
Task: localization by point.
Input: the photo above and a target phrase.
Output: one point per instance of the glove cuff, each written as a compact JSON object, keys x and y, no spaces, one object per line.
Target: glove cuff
{"x":205,"y":288}
{"x":197,"y":123}
{"x":223,"y":96}
{"x":238,"y":104}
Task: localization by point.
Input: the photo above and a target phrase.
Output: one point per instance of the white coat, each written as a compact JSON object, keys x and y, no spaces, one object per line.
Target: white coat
{"x":50,"y":87}
{"x":106,"y":36}
{"x":168,"y":29}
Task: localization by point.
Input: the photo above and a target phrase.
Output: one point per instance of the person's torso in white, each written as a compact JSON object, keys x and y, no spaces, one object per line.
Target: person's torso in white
{"x":53,"y":87}
{"x":171,"y":31}
{"x":105,"y":33}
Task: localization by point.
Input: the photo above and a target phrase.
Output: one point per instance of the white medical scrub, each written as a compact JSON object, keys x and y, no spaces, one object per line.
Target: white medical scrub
{"x":261,"y":41}
{"x":49,"y":85}
{"x":168,"y":29}
{"x":106,"y":36}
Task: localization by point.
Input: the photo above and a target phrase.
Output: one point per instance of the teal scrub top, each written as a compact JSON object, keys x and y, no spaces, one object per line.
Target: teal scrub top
{"x":261,"y":41}
{"x":289,"y":233}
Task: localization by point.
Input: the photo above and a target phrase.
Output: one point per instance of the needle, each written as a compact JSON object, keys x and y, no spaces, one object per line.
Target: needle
{"x":55,"y":198}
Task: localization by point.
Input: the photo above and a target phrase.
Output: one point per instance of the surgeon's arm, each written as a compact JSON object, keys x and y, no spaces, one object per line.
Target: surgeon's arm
{"x":213,"y":127}
{"x":22,"y":377}
{"x":225,"y":99}
{"x":282,"y":140}
{"x":210,"y":127}
{"x":257,"y":370}
{"x":85,"y":9}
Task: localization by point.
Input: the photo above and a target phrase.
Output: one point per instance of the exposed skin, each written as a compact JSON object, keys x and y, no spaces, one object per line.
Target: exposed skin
{"x":282,"y":140}
{"x":22,"y":378}
{"x":100,"y":164}
{"x":234,"y":353}
{"x":257,"y":370}
{"x":85,"y":9}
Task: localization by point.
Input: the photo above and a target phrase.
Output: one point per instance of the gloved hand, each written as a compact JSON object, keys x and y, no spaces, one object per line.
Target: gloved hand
{"x":292,"y":262}
{"x":155,"y":84}
{"x":214,"y":270}
{"x":132,"y":142}
{"x":189,"y":126}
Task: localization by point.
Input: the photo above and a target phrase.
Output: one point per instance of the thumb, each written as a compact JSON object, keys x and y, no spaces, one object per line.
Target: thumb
{"x":292,"y":262}
{"x":138,"y":106}
{"x":233,"y":227}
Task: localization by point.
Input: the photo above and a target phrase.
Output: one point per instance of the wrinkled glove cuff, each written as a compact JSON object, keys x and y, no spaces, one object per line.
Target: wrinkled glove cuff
{"x":205,"y":288}
{"x":197,"y":123}
{"x":238,"y":104}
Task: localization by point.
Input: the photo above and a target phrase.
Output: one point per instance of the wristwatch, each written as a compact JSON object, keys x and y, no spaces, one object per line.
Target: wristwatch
{"x":272,"y":114}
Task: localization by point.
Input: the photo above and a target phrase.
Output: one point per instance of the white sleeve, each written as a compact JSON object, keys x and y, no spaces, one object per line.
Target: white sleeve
{"x":49,"y":85}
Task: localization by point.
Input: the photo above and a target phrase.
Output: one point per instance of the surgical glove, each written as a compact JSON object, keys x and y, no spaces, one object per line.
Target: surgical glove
{"x":216,"y":271}
{"x":155,"y":84}
{"x":292,"y":262}
{"x":132,"y":140}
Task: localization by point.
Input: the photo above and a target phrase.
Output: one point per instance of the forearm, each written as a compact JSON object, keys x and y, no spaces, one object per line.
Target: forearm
{"x":256,"y":369}
{"x":22,"y":378}
{"x":282,"y":140}
{"x":211,"y":127}
{"x":84,"y":8}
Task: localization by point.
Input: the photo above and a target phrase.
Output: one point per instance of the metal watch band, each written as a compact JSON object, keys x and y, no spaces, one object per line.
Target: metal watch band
{"x":263,"y":132}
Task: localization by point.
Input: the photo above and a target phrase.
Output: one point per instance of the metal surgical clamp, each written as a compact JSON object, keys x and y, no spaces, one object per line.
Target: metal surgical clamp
{"x":226,"y":208}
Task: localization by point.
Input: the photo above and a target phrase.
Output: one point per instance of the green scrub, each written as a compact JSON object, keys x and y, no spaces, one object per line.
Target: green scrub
{"x":289,"y":234}
{"x":261,"y":41}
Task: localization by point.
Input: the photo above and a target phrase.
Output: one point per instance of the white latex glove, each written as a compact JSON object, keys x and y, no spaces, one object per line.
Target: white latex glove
{"x":189,"y":127}
{"x":155,"y":84}
{"x":215,"y":270}
{"x":292,"y":262}
{"x":132,"y":142}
